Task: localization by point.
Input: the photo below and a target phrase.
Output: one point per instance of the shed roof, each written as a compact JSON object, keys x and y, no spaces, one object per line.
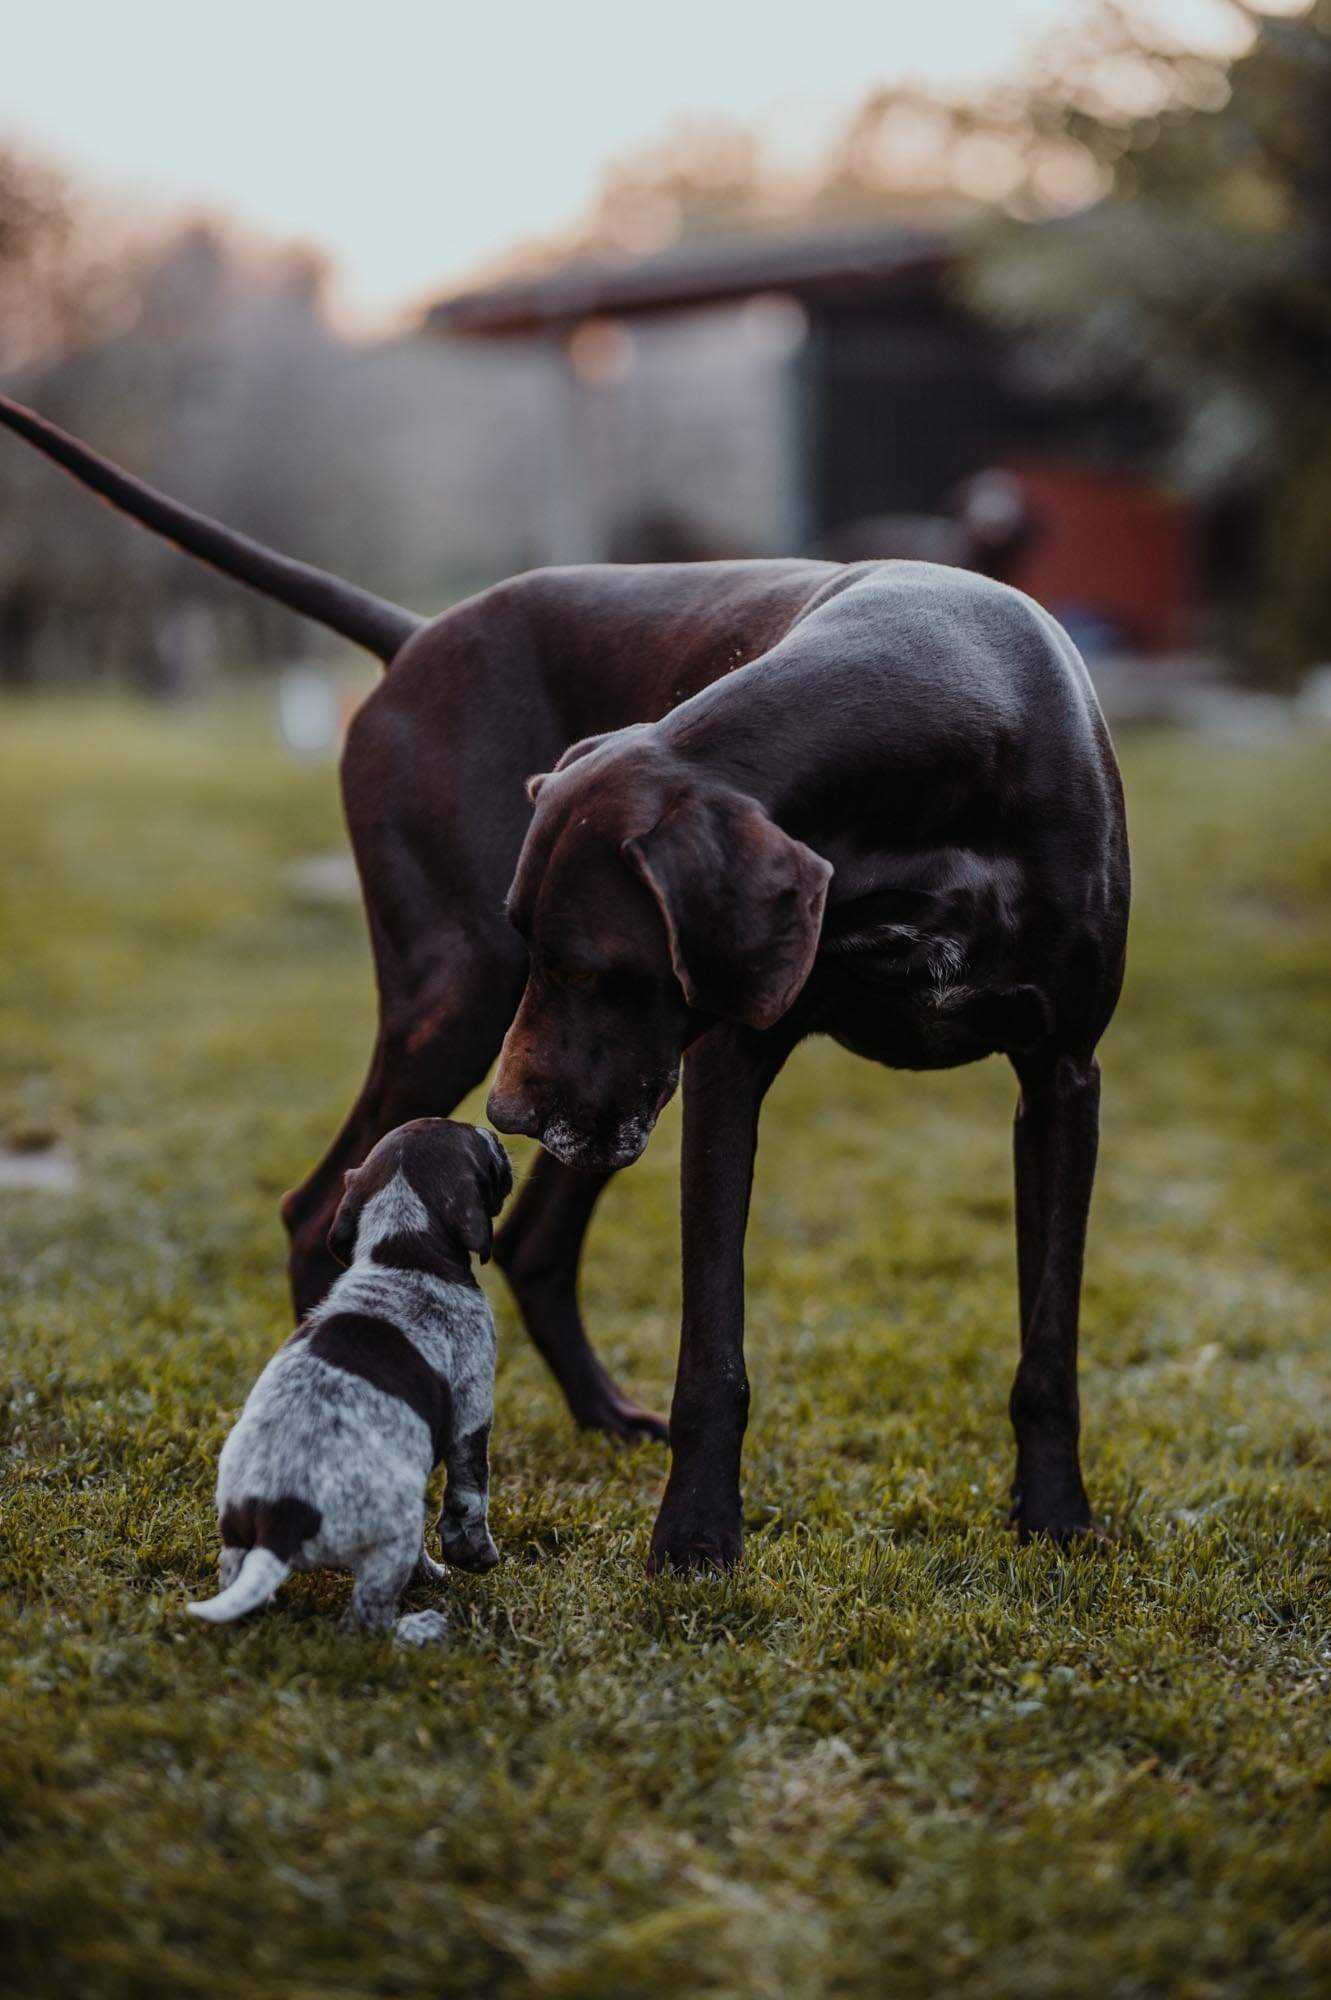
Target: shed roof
{"x":846,"y":265}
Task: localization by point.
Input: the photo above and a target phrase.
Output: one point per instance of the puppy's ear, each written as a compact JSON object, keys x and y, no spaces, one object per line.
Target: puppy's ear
{"x":342,"y":1235}
{"x":496,"y":1169}
{"x":742,"y":902}
{"x":474,"y":1213}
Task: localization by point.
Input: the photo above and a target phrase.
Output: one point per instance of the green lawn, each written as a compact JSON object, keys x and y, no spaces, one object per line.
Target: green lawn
{"x":894,"y":1755}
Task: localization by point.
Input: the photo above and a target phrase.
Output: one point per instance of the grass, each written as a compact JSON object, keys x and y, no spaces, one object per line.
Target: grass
{"x":893,"y":1754}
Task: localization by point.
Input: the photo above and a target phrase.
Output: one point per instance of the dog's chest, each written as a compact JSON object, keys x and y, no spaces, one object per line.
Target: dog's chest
{"x":908,"y":972}
{"x":873,"y":1015}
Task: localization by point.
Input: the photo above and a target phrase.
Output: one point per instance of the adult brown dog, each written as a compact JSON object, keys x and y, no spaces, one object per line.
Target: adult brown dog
{"x":877,"y":802}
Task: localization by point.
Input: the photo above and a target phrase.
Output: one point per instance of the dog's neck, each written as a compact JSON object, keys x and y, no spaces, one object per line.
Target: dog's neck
{"x":421,"y":1251}
{"x":396,"y":1233}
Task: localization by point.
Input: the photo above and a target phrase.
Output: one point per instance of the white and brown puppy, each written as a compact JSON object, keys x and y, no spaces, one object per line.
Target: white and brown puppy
{"x":388,"y":1376}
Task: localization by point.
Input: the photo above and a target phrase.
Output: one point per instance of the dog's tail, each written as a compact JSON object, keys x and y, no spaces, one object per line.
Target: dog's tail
{"x":261,"y":1575}
{"x":368,"y":621}
{"x":271,"y":1532}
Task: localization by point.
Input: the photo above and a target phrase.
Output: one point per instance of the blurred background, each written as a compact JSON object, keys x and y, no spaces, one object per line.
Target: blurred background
{"x":1048,"y":294}
{"x":425,"y":295}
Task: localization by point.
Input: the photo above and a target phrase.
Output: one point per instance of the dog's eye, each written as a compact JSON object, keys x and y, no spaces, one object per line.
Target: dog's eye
{"x":565,"y":975}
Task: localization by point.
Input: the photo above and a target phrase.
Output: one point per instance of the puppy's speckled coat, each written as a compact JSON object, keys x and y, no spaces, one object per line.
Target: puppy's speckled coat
{"x":391,"y":1374}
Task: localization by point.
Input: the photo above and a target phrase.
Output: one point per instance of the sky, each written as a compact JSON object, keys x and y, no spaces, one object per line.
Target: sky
{"x":416,"y":139}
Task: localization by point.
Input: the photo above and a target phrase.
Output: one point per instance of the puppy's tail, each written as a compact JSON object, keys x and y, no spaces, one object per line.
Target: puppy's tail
{"x":261,"y":1575}
{"x":382,"y":628}
{"x":272,"y":1533}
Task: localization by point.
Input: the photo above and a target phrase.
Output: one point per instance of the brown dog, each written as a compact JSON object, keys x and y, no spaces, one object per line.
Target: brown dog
{"x":877,"y":802}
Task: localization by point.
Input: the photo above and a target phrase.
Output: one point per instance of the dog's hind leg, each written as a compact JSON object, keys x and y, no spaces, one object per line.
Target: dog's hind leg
{"x":438,"y":1036}
{"x":428,"y":1570}
{"x":449,"y":970}
{"x":381,"y":1577}
{"x":1055,"y":1144}
{"x":308,"y":1210}
{"x":538,"y":1250}
{"x":450,"y":974}
{"x":426,"y":1059}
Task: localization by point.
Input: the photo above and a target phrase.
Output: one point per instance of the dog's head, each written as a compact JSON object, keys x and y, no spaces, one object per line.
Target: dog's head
{"x":654,"y":904}
{"x":434,"y":1180}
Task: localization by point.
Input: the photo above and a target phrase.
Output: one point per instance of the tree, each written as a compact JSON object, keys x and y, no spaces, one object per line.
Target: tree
{"x":60,"y":284}
{"x":1206,"y":268}
{"x":219,"y":378}
{"x":1157,"y":214}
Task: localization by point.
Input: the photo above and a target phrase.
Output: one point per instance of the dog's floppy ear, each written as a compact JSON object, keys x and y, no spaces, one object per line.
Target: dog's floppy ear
{"x":496,"y":1170}
{"x":494,"y":1183}
{"x":342,"y":1235}
{"x":742,"y":902}
{"x":573,"y":755}
{"x":584,"y":747}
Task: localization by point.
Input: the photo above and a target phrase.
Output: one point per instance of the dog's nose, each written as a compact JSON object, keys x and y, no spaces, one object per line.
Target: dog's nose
{"x":508,"y":1112}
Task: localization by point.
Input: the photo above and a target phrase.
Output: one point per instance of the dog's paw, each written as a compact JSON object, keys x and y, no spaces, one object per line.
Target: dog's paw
{"x":1071,"y":1535}
{"x":1066,"y":1530}
{"x":696,"y":1548}
{"x":619,"y":1418}
{"x":420,"y":1628}
{"x":470,"y":1550}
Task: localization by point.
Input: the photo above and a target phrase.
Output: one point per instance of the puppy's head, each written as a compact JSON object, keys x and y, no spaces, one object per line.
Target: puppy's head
{"x":434,"y":1179}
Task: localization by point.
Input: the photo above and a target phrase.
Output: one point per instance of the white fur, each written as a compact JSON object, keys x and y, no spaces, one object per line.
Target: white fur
{"x":420,"y":1628}
{"x":397,"y":1209}
{"x":561,"y":1138}
{"x":260,"y":1575}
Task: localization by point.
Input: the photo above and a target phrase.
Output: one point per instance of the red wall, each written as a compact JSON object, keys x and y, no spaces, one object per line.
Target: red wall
{"x":1112,"y":546}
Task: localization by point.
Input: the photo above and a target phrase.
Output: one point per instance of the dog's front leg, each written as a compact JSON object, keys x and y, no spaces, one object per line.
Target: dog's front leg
{"x":464,"y":1527}
{"x":726,"y":1076}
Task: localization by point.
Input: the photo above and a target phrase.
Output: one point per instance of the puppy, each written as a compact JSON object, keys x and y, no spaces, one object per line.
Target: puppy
{"x":390,"y":1374}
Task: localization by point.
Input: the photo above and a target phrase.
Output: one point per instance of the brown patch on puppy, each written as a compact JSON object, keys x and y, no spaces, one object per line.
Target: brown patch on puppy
{"x":462,"y":1176}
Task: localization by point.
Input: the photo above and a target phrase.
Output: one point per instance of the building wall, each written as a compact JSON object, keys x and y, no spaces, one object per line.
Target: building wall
{"x":677,"y":435}
{"x":909,"y":401}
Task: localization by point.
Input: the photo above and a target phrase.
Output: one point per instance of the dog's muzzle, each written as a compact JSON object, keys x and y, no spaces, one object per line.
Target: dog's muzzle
{"x":593,"y":1146}
{"x":595,"y":1155}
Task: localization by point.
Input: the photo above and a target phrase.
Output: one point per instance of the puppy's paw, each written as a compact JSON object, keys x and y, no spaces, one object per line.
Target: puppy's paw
{"x":420,"y":1628}
{"x":473,"y":1550}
